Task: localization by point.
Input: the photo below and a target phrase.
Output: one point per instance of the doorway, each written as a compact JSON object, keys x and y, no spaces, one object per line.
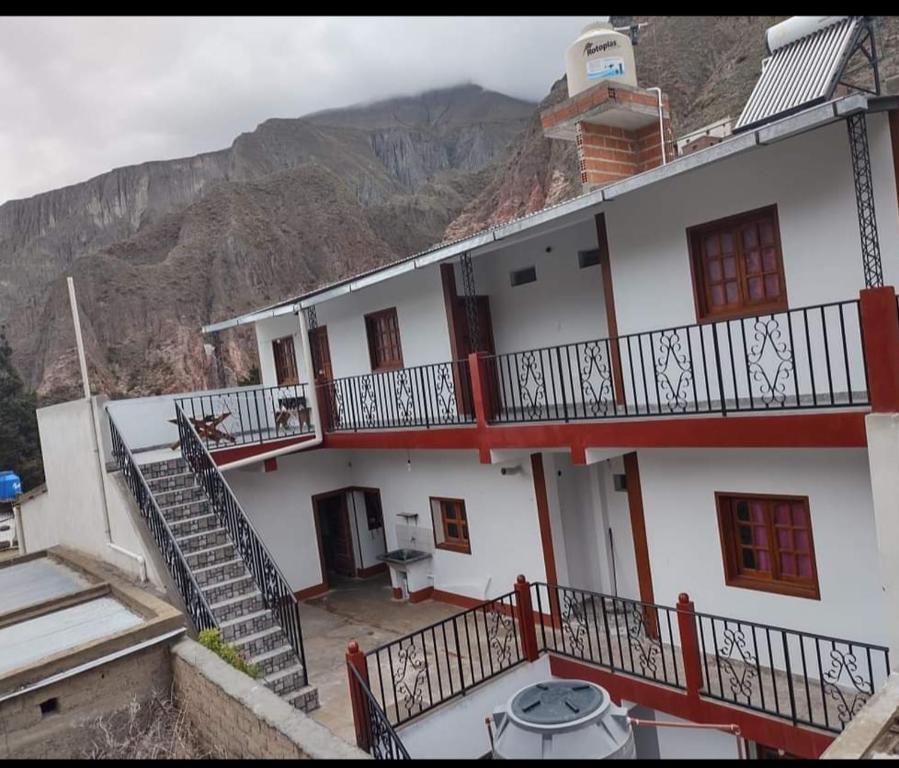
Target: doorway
{"x":335,"y":538}
{"x":321,"y":354}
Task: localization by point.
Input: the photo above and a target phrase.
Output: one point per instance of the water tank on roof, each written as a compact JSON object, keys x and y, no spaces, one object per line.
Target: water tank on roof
{"x":600,"y":54}
{"x":795,"y":28}
{"x":10,"y":486}
{"x":562,"y":719}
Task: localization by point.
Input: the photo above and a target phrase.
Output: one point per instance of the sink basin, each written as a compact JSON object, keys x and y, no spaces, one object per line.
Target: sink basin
{"x":403,"y":556}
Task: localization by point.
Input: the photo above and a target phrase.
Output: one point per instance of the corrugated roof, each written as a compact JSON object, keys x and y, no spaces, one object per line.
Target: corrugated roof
{"x":800,"y":74}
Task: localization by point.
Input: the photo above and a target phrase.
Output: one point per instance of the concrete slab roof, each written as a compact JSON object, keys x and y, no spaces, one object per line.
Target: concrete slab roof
{"x":576,"y":208}
{"x":35,"y":581}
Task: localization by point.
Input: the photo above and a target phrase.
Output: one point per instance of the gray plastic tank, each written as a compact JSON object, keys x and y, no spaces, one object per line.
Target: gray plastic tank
{"x":562,"y":719}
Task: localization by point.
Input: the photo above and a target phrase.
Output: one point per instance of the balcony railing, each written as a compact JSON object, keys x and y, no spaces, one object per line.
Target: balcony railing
{"x":248,"y":415}
{"x":802,"y":358}
{"x":805,"y":678}
{"x":422,"y":396}
{"x":277,"y":596}
{"x":378,"y":736}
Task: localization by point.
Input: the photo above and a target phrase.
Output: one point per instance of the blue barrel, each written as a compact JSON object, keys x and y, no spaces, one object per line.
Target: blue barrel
{"x":10,"y":486}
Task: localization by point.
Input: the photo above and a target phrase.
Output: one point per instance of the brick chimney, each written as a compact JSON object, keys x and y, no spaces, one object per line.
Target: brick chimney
{"x":616,"y":127}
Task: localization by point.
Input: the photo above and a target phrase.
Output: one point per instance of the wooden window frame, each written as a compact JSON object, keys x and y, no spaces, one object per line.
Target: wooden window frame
{"x":694,"y":234}
{"x":370,"y":334}
{"x":450,"y":543}
{"x":296,"y":371}
{"x":734,"y":578}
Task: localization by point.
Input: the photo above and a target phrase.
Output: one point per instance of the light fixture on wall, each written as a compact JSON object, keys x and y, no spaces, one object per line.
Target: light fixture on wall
{"x":408,"y":461}
{"x":512,"y":470}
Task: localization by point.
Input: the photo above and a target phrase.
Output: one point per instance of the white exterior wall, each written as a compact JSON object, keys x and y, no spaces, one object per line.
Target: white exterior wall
{"x":501,"y":510}
{"x":809,"y":177}
{"x":71,"y":512}
{"x":565,"y":303}
{"x":367,"y":544}
{"x":685,"y":548}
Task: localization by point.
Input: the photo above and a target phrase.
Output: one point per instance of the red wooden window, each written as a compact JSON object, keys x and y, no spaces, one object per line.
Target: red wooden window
{"x":450,"y":525}
{"x":383,"y":332}
{"x":767,"y":543}
{"x":737,"y":265}
{"x":285,"y":361}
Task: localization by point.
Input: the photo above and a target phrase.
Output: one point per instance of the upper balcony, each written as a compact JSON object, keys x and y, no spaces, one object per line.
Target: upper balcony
{"x":806,"y":359}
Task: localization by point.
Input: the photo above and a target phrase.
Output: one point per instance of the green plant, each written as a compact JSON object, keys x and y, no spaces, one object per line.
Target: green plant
{"x":212,"y":639}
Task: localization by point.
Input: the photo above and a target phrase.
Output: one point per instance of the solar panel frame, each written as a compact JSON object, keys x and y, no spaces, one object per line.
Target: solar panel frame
{"x":801,"y":74}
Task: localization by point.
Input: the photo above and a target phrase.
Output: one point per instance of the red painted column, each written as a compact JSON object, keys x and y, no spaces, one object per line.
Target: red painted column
{"x":324,"y":406}
{"x":686,"y":625}
{"x":480,"y":395}
{"x":880,"y":334}
{"x":526,"y":624}
{"x":356,"y":658}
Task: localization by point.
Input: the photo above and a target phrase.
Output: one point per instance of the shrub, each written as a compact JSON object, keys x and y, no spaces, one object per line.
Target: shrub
{"x":212,"y":639}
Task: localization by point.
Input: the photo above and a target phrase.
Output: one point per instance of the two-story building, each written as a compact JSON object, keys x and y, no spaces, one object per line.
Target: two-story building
{"x":666,"y":402}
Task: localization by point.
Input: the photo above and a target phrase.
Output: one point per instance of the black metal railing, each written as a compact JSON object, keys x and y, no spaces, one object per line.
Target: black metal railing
{"x":430,"y":666}
{"x":422,"y":396}
{"x":802,"y":677}
{"x":612,"y":632}
{"x":810,"y":357}
{"x":194,"y":601}
{"x":381,"y":741}
{"x":277,"y":595}
{"x":249,"y":415}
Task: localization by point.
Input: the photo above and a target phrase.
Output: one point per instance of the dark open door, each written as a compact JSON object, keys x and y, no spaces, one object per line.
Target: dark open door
{"x":321,"y":354}
{"x":467,"y":346}
{"x":336,"y":536}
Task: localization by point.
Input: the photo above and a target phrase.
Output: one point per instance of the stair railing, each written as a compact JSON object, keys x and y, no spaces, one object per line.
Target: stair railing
{"x":277,"y":595}
{"x":194,"y":600}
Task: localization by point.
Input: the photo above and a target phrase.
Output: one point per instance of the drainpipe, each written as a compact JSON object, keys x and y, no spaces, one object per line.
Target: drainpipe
{"x":95,"y":432}
{"x":661,"y":122}
{"x":313,"y":400}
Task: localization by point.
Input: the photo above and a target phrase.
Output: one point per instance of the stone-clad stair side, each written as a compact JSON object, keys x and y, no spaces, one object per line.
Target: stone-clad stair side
{"x":228,"y":586}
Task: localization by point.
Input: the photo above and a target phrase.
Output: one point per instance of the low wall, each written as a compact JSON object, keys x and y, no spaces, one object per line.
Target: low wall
{"x":48,"y":722}
{"x":233,"y":713}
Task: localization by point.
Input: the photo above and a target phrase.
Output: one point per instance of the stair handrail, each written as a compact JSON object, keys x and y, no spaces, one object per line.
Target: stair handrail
{"x":200,"y":613}
{"x":277,"y":595}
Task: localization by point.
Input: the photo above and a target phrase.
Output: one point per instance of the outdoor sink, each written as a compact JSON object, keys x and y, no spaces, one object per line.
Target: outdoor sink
{"x":403,"y":556}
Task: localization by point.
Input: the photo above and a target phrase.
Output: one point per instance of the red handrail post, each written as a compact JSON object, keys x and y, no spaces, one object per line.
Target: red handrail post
{"x":526,"y":623}
{"x":355,"y":658}
{"x":880,"y":334}
{"x":686,"y":624}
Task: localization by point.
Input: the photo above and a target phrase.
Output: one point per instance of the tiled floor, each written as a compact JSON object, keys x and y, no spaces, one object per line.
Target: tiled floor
{"x":360,"y":610}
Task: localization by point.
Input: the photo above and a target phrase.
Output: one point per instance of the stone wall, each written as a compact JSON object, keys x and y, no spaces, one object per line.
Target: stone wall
{"x":233,"y":713}
{"x":49,"y":721}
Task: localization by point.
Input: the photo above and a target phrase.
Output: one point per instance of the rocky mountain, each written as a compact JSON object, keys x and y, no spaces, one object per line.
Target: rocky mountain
{"x":160,"y":248}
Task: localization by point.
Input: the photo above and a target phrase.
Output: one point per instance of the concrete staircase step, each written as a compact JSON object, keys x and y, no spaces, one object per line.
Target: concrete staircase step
{"x":195,"y":524}
{"x":304,"y":699}
{"x":249,"y":603}
{"x":259,"y":642}
{"x":178,"y":496}
{"x":197,"y":542}
{"x":286,"y":680}
{"x":247,"y":624}
{"x":171,"y":482}
{"x":216,"y":573}
{"x":160,"y":468}
{"x":228,"y":588}
{"x":203,"y":558}
{"x":176,"y":512}
{"x":275,"y":660}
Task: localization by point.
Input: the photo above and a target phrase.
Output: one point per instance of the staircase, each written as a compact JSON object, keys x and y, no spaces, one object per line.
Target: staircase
{"x":227,"y":586}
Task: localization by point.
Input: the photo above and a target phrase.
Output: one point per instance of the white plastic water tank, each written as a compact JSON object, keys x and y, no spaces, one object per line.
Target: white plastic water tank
{"x":562,"y":719}
{"x":600,"y":54}
{"x":796,"y":27}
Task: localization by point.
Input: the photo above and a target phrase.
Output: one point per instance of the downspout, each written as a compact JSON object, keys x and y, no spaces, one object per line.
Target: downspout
{"x":317,"y":440}
{"x":101,"y":471}
{"x":661,"y":122}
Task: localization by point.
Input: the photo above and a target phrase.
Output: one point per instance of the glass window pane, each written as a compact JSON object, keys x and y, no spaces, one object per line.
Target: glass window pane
{"x":769,"y":260}
{"x":749,"y":559}
{"x":760,"y":536}
{"x":727,"y":243}
{"x":742,"y":510}
{"x":784,"y":538}
{"x":452,"y":530}
{"x":717,"y":296}
{"x":764,"y":560}
{"x":732,"y":293}
{"x":801,"y":540}
{"x":730,"y":267}
{"x":714,"y":270}
{"x":804,"y":566}
{"x":800,"y":514}
{"x":788,"y":565}
{"x":766,"y":232}
{"x":753,"y":260}
{"x":745,"y":534}
{"x":711,"y":245}
{"x":758,"y":511}
{"x":750,"y":238}
{"x":782,"y":513}
{"x":756,"y":288}
{"x":772,"y":286}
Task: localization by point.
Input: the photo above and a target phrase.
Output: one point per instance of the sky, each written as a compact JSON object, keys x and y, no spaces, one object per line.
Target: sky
{"x":80,"y":96}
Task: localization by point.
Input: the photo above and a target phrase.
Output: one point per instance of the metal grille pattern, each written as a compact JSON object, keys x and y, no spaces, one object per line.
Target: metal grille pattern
{"x":200,"y":613}
{"x":311,"y":317}
{"x":857,"y":127}
{"x":383,"y":741}
{"x":471,"y":301}
{"x":277,"y":595}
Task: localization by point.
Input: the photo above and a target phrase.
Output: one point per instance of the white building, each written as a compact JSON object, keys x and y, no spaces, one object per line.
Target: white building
{"x":682,"y":381}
